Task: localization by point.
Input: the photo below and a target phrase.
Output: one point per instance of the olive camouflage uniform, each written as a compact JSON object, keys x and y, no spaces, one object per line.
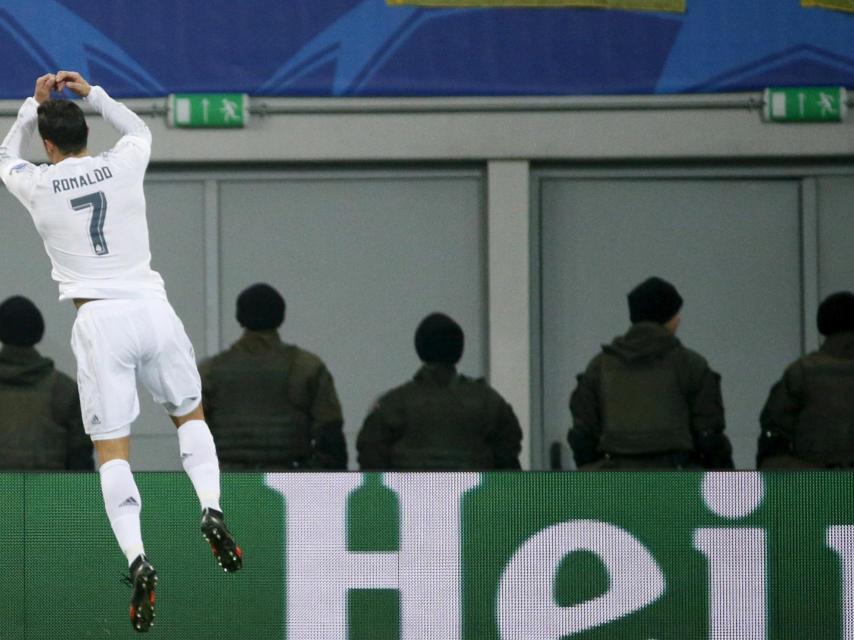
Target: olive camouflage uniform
{"x":808,"y":419}
{"x":440,"y":420}
{"x":40,"y":424}
{"x":648,"y":402}
{"x":272,"y":406}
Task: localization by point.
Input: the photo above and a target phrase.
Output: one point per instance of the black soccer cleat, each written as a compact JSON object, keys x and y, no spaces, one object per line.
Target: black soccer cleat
{"x":225,"y":549}
{"x":143,"y":581}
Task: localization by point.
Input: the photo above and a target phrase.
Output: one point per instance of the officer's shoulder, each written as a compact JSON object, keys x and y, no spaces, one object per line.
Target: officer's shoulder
{"x":210,"y":361}
{"x":812,"y":358}
{"x":689,"y":363}
{"x":304,"y":357}
{"x":480,"y":385}
{"x":207,"y":365}
{"x":64,"y":381}
{"x":480,"y":381}
{"x":693,"y":358}
{"x":801,"y":365}
{"x":395,"y":395}
{"x":596,"y":361}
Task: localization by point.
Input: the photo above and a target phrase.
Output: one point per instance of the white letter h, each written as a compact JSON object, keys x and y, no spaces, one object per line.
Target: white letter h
{"x":320,"y":570}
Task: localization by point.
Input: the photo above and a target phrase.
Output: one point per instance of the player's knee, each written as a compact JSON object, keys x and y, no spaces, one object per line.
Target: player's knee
{"x":189,"y":409}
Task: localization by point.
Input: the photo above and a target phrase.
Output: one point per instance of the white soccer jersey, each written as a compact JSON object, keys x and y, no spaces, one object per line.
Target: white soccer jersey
{"x":89,"y":211}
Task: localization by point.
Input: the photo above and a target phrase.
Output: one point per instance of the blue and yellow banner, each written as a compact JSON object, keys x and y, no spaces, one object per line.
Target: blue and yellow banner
{"x":331,"y":48}
{"x":840,"y":5}
{"x":677,"y":6}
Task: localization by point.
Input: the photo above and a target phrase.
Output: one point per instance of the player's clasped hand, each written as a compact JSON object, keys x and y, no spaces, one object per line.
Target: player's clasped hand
{"x":73,"y":81}
{"x":44,"y":85}
{"x":58,"y":82}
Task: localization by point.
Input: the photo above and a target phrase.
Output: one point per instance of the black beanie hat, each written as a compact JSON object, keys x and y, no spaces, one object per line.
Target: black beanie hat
{"x":260,"y":308}
{"x":836,"y":313}
{"x":654,"y":300}
{"x":439,"y":339}
{"x":21,"y":323}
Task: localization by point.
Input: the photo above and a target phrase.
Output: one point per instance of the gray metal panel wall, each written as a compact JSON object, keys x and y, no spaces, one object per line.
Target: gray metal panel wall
{"x":730,"y":246}
{"x":360,"y":260}
{"x":835,"y":235}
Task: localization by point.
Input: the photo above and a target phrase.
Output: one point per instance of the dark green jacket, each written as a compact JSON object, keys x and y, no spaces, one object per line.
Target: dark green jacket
{"x":272,"y":406}
{"x":440,"y":420}
{"x":809,"y":413}
{"x":647,"y":396}
{"x":40,"y":424}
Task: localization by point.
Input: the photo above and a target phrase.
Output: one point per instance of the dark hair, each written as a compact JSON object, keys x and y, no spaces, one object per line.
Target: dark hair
{"x":21,"y":323}
{"x":62,"y":122}
{"x":836,"y":313}
{"x":439,"y":338}
{"x":654,"y":300}
{"x":260,"y":308}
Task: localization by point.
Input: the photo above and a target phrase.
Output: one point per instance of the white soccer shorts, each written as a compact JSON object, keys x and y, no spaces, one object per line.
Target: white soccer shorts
{"x":114,"y":341}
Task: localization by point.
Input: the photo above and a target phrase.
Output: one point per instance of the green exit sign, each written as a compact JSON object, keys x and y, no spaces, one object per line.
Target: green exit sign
{"x":806,"y":104}
{"x":211,"y":110}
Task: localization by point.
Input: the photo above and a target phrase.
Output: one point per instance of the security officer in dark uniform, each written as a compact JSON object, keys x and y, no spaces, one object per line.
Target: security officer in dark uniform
{"x":808,"y":419}
{"x":40,"y":424}
{"x":271,"y":405}
{"x":646,"y":401}
{"x":441,"y":419}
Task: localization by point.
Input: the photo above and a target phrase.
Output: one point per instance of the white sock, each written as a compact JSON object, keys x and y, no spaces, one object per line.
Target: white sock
{"x":123,"y":505}
{"x":198,"y":455}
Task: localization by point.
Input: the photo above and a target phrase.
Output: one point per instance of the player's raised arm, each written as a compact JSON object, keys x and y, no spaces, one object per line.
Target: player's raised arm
{"x":125,"y":121}
{"x":25,"y":125}
{"x":15,"y":172}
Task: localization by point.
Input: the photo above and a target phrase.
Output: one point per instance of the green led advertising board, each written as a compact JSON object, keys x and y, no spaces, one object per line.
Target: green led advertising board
{"x":509,"y":556}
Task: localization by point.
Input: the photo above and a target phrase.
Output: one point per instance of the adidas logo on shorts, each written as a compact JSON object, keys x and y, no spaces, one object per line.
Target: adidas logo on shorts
{"x":95,"y":420}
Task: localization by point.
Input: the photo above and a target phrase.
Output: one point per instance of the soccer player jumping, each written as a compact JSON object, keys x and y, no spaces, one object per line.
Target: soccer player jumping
{"x":90,"y":213}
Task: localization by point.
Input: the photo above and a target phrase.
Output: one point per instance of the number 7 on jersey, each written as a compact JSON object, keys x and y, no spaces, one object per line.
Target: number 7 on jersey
{"x":97,"y":202}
